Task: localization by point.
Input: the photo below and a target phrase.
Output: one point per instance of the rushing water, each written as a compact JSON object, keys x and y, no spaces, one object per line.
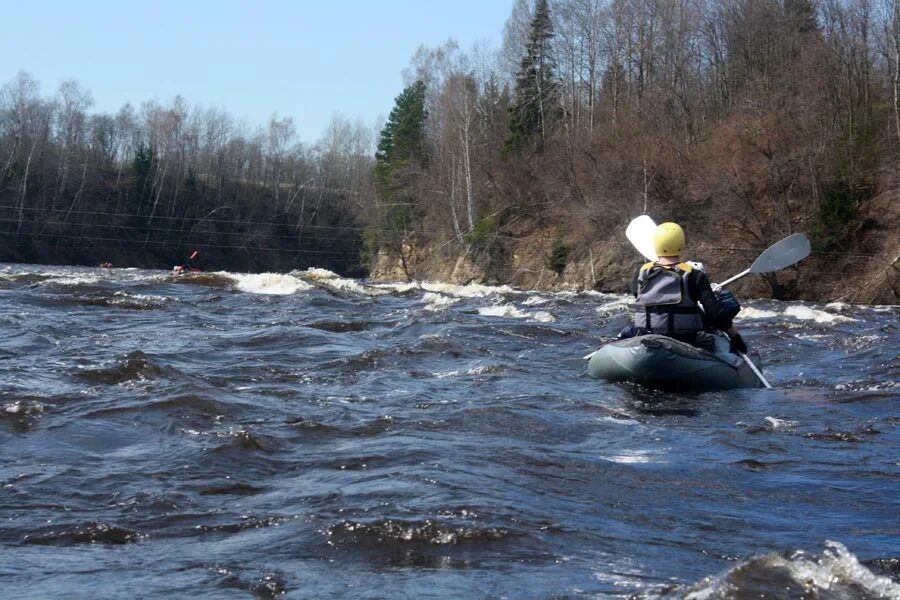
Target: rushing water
{"x":306,"y":436}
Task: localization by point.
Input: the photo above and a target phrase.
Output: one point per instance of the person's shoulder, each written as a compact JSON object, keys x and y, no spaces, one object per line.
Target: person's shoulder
{"x":698,"y":275}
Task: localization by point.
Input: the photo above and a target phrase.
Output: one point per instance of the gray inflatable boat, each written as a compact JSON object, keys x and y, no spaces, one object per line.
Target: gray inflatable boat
{"x":662,"y":362}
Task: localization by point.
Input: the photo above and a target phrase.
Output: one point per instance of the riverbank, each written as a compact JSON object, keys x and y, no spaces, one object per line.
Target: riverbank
{"x":867,"y":273}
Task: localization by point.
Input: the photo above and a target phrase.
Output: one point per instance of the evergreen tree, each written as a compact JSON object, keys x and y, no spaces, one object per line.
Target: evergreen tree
{"x":399,"y":161}
{"x":402,"y":140}
{"x":536,"y":104}
{"x":142,"y":175}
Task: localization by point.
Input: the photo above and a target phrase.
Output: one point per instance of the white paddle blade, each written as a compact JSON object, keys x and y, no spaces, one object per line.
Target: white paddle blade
{"x":785,"y":253}
{"x":640,"y":234}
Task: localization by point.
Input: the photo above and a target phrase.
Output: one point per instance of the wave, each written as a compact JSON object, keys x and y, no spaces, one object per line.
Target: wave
{"x":437,"y":302}
{"x":308,"y":427}
{"x":472,"y":290}
{"x":137,"y":366}
{"x":389,"y":532}
{"x":266,"y":585}
{"x":748,"y":312}
{"x":335,"y":283}
{"x":94,"y":532}
{"x":248,"y":522}
{"x":807,"y":313}
{"x":615,"y":305}
{"x":269,"y":283}
{"x":510,"y":311}
{"x":125,"y":301}
{"x":835,"y":574}
{"x":21,"y":414}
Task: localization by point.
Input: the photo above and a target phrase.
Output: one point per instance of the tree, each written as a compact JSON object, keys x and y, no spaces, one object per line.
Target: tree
{"x":142,"y":175}
{"x":399,"y":162}
{"x":536,"y":103}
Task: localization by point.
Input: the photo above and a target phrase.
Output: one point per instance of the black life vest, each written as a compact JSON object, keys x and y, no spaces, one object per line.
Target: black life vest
{"x":664,"y":303}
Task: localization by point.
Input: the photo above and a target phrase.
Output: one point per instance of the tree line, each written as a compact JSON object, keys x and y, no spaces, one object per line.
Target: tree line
{"x":745,"y":119}
{"x":147,"y":186}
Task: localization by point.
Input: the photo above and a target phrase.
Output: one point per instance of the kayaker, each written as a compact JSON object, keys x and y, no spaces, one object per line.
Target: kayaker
{"x":675,"y":298}
{"x":186,"y":267}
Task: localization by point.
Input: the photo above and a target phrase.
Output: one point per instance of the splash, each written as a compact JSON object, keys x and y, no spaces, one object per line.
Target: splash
{"x":473,"y":290}
{"x":806,"y":313}
{"x":275,"y":284}
{"x":334,"y":282}
{"x":510,"y":311}
{"x":535,"y":301}
{"x":836,"y":574}
{"x":438,"y":301}
{"x":616,"y":304}
{"x":389,"y":531}
{"x":748,"y":312}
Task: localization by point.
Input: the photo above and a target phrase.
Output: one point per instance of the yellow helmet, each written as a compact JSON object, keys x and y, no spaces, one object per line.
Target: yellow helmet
{"x":668,"y":239}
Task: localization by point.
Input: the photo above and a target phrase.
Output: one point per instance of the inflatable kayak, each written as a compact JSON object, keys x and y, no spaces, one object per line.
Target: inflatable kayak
{"x":662,"y":362}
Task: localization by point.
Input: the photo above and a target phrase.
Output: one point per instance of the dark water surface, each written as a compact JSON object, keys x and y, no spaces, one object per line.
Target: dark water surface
{"x":306,"y":436}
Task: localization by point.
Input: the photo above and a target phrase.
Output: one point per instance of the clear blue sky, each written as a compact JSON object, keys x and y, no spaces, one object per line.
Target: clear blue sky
{"x":306,"y":59}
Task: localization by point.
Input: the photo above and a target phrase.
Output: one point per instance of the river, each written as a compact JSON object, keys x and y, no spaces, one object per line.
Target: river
{"x":300,"y":435}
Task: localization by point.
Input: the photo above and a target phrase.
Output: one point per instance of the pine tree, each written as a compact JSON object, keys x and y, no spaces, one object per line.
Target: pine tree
{"x":403,"y":137}
{"x":399,"y":161}
{"x":536,"y":104}
{"x":142,"y":175}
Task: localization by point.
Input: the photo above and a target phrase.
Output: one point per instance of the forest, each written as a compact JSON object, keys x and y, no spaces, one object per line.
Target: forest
{"x":744,"y":120}
{"x":147,"y":187}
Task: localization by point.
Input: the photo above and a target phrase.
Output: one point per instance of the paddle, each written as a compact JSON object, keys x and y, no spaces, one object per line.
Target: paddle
{"x":640,"y":233}
{"x":779,"y":255}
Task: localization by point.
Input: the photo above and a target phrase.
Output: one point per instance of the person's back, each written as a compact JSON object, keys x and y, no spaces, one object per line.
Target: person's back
{"x":674,"y":297}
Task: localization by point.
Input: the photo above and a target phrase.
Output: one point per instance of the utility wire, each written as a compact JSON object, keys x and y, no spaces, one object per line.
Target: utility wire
{"x":248,"y":248}
{"x":301,"y":229}
{"x":311,"y":236}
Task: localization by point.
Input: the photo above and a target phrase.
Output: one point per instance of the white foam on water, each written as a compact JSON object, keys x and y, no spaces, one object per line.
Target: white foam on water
{"x":333,"y":281}
{"x":861,"y":386}
{"x":21,"y":407}
{"x":510,"y":311}
{"x":481,"y":370}
{"x":812,"y":337}
{"x":472,"y":290}
{"x":836,"y":570}
{"x":275,"y":284}
{"x":447,"y":374}
{"x":617,"y":304}
{"x":623,"y":573}
{"x":776,"y":423}
{"x":67,"y":279}
{"x":748,"y":312}
{"x":535,"y":301}
{"x":438,"y":301}
{"x":837,"y":306}
{"x":806,"y":313}
{"x":400,"y":288}
{"x":836,"y":566}
{"x":881,"y":309}
{"x":146,"y":298}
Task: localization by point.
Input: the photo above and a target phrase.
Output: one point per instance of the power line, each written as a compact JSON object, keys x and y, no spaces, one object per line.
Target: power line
{"x":171,"y":230}
{"x":168,"y":243}
{"x":166,"y":218}
{"x":282,"y":224}
{"x":230,"y":221}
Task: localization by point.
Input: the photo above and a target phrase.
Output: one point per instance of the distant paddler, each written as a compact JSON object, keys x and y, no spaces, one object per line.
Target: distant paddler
{"x":186,"y":267}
